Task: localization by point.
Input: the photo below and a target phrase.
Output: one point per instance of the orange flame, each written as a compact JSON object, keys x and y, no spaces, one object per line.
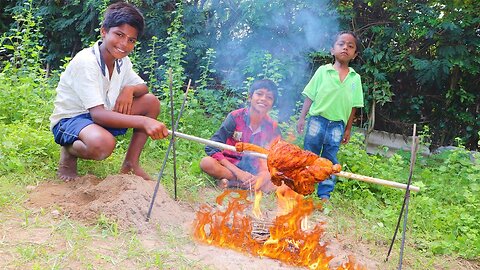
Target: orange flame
{"x":229,"y":226}
{"x":287,"y":199}
{"x":256,"y":211}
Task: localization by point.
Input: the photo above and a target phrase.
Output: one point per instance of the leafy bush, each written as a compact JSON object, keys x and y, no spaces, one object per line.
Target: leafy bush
{"x":26,"y":99}
{"x":443,"y":215}
{"x":23,"y":147}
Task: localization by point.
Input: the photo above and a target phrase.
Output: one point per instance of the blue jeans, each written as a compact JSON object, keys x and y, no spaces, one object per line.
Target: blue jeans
{"x":323,"y":137}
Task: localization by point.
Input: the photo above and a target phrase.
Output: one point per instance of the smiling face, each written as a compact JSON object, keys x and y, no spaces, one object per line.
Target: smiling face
{"x":261,"y":100}
{"x":118,"y":42}
{"x":345,"y":48}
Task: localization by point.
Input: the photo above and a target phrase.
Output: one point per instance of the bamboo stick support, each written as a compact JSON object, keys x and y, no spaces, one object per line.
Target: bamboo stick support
{"x":359,"y":177}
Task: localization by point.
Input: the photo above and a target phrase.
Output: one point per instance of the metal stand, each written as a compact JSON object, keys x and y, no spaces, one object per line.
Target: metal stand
{"x":405,"y":202}
{"x":160,"y":174}
{"x":174,"y":152}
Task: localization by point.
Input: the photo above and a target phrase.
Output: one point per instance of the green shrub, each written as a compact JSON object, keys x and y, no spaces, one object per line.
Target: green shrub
{"x":25,"y":148}
{"x":443,"y":216}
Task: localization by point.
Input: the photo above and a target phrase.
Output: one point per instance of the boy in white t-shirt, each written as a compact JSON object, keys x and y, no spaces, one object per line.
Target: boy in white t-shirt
{"x":99,"y":96}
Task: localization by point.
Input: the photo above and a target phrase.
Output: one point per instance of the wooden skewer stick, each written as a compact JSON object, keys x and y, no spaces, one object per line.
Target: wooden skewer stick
{"x":379,"y":181}
{"x":215,"y":144}
{"x":359,"y":177}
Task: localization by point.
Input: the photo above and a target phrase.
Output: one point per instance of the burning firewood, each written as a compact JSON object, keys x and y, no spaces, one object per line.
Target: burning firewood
{"x":298,"y":169}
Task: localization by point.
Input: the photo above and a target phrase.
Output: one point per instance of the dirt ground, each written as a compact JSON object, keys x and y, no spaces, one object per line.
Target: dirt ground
{"x":126,"y":199}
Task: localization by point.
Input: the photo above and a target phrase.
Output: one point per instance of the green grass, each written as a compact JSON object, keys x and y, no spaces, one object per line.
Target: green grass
{"x":43,"y":242}
{"x":439,"y":225}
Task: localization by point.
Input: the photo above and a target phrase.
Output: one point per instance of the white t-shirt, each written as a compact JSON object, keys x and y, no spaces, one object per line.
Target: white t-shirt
{"x":85,"y":83}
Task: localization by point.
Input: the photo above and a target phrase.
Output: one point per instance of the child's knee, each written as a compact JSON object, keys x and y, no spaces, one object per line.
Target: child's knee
{"x":152,"y":104}
{"x":206,"y":164}
{"x":102,"y":149}
{"x":101,"y":153}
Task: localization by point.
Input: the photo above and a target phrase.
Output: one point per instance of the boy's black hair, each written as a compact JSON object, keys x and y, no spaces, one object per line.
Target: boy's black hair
{"x":267,"y":84}
{"x":123,"y":13}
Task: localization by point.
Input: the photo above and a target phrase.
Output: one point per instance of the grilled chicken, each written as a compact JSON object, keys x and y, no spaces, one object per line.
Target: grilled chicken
{"x":297,"y":168}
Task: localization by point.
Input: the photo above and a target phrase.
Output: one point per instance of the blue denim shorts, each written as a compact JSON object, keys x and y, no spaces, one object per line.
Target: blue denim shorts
{"x":67,"y":130}
{"x":323,"y":137}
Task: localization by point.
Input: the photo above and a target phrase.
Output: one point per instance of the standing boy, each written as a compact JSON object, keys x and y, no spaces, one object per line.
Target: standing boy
{"x":331,"y":99}
{"x":251,"y":125}
{"x":99,"y":96}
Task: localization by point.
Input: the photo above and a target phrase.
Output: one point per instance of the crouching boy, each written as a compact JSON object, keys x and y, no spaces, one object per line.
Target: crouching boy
{"x":99,"y":96}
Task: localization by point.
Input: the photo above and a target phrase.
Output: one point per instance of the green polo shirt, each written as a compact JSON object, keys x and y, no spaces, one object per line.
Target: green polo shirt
{"x":331,"y":98}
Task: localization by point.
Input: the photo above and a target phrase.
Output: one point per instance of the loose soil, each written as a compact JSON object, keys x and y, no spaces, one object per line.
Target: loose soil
{"x":125,"y":199}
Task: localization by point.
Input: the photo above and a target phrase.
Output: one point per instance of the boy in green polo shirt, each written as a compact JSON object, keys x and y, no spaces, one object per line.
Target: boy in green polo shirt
{"x":331,"y":99}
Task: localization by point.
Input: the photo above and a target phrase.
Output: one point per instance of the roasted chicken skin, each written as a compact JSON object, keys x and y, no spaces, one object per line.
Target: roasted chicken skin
{"x":299,"y":169}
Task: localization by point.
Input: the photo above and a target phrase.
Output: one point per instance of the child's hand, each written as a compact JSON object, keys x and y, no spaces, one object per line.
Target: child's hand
{"x":346,"y":137}
{"x":124,"y":101}
{"x":300,"y":125}
{"x":244,"y":176}
{"x":155,"y":129}
{"x":250,"y":182}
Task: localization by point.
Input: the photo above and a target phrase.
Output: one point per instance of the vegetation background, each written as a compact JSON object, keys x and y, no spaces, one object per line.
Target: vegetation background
{"x":419,"y":64}
{"x":419,"y":60}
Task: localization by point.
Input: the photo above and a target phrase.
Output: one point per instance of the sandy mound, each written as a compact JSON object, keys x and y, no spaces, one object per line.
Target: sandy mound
{"x":123,"y":198}
{"x":126,"y":199}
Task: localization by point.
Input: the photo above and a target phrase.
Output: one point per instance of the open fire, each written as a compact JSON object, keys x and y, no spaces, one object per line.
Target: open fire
{"x":286,"y":238}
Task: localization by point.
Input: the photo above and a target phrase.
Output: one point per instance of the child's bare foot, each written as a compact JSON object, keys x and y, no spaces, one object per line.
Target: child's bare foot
{"x":268,"y":187}
{"x":135,"y":169}
{"x":67,"y":166}
{"x":222,"y":183}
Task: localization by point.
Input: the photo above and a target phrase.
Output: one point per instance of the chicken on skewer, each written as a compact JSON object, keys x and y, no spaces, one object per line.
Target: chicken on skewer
{"x":264,"y":153}
{"x":298,"y":169}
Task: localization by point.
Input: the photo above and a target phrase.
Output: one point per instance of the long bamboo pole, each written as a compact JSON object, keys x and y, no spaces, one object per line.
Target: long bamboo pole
{"x":359,"y":177}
